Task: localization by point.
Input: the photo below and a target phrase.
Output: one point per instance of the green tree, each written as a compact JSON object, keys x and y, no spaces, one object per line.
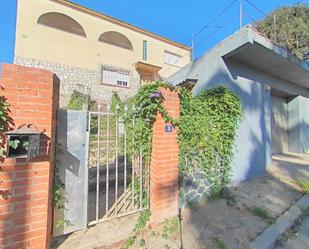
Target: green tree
{"x":289,"y":28}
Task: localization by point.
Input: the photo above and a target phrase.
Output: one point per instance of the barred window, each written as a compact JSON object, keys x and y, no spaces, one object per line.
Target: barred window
{"x":115,"y":76}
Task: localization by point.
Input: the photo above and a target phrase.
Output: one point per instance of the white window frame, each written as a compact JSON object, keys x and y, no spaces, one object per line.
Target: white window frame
{"x":116,"y":76}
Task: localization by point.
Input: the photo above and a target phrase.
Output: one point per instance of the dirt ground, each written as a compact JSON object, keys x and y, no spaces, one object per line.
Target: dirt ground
{"x":229,"y":222}
{"x":237,"y":218}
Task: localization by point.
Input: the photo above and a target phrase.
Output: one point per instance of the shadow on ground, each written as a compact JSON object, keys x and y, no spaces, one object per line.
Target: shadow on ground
{"x":231,"y":221}
{"x":228,"y":221}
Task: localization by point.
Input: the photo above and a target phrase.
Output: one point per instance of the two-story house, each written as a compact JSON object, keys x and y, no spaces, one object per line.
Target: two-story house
{"x":91,"y":52}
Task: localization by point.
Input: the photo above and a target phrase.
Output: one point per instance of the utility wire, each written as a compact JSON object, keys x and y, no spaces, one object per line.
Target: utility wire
{"x":254,"y":6}
{"x":214,"y":32}
{"x":214,"y":19}
{"x":179,"y":52}
{"x":254,"y":20}
{"x":208,"y":25}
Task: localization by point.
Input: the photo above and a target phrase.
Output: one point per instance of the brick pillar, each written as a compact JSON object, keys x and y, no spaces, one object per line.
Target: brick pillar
{"x":164,"y":164}
{"x":26,"y":212}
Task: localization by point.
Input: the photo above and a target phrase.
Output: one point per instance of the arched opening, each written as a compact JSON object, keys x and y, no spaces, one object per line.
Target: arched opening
{"x":61,"y":22}
{"x":116,"y":39}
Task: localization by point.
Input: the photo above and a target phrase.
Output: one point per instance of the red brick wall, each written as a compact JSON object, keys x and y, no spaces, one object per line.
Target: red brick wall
{"x":26,"y":213}
{"x":164,"y":164}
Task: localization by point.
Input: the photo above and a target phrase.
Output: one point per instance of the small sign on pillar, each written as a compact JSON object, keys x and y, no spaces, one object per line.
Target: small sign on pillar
{"x":168,"y":128}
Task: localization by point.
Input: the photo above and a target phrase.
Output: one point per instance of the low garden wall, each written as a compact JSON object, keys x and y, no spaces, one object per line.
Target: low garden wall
{"x":26,"y":186}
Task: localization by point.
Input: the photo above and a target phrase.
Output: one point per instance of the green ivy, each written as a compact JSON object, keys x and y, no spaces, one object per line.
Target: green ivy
{"x":206,"y":134}
{"x":207,"y":131}
{"x":207,"y":128}
{"x":5,"y":123}
{"x":141,"y":114}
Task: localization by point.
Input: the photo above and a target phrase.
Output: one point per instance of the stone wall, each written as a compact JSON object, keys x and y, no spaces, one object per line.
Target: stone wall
{"x":83,"y":80}
{"x":194,"y":188}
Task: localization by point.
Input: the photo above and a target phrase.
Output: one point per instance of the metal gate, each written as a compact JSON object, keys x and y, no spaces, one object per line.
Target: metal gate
{"x":118,"y":178}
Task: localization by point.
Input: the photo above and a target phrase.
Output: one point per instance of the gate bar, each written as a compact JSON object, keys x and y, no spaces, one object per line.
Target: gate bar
{"x":136,"y":192}
{"x":98,"y":168}
{"x":107,"y":159}
{"x":140,"y":178}
{"x":133,"y":157}
{"x":116,"y":154}
{"x":125,"y":152}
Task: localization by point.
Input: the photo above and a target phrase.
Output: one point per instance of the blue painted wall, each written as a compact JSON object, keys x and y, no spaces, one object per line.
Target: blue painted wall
{"x":253,"y":153}
{"x":293,"y":125}
{"x":304,"y":124}
{"x":253,"y":142}
{"x":299,"y":125}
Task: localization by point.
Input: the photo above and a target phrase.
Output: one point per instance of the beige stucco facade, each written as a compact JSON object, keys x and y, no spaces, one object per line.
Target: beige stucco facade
{"x":43,"y":46}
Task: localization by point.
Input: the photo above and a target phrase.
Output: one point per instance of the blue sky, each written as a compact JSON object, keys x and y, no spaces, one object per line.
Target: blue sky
{"x":174,"y":19}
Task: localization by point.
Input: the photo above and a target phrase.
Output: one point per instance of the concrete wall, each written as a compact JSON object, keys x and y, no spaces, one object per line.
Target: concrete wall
{"x":304,"y":125}
{"x":279,"y":125}
{"x":253,"y":143}
{"x":293,"y":125}
{"x":299,"y":125}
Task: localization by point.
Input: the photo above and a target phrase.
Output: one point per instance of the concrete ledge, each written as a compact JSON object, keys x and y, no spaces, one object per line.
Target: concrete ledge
{"x":303,"y":203}
{"x":269,"y":237}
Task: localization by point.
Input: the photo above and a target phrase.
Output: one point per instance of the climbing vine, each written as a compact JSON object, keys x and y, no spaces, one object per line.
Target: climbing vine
{"x":6,"y":122}
{"x":207,"y":128}
{"x":207,"y":131}
{"x":143,"y":109}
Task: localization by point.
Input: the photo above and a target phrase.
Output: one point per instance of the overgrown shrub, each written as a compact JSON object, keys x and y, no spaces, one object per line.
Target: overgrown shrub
{"x":80,"y":101}
{"x":207,"y":128}
{"x":288,"y":26}
{"x":207,"y":131}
